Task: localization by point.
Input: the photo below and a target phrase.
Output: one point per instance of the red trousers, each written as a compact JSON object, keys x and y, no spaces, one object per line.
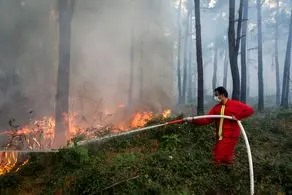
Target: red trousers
{"x":223,"y":152}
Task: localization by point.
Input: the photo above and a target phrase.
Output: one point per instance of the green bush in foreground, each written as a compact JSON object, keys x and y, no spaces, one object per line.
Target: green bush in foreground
{"x":169,"y":160}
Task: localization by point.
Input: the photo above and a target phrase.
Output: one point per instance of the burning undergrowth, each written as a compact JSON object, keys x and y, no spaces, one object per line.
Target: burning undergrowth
{"x":39,"y":135}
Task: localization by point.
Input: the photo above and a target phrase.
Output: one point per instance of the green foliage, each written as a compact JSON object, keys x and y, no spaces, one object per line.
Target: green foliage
{"x":73,"y":157}
{"x":78,"y":139}
{"x":169,"y":160}
{"x":124,"y":158}
{"x":170,"y":142}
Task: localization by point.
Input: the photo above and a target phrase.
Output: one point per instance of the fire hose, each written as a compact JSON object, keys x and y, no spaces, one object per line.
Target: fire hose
{"x":251,"y":173}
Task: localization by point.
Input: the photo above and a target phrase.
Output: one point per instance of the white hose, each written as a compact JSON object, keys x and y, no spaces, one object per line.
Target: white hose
{"x":251,"y":175}
{"x":85,"y":142}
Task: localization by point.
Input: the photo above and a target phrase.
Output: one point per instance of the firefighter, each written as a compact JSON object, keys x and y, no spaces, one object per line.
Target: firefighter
{"x":227,"y":131}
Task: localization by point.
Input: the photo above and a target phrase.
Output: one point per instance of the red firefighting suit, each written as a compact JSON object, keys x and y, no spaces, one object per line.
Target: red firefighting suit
{"x":227,"y":131}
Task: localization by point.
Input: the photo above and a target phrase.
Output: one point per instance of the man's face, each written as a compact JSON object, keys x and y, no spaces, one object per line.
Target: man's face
{"x":218,"y":97}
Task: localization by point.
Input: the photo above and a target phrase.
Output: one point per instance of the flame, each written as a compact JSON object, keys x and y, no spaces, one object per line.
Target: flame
{"x":7,"y":161}
{"x":24,"y":163}
{"x":166,"y":113}
{"x":140,"y":119}
{"x":73,"y":129}
{"x":40,"y":134}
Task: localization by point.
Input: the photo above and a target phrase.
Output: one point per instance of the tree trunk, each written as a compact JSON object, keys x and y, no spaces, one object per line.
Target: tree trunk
{"x":215,"y":66}
{"x":65,"y":8}
{"x":200,"y":93}
{"x":248,"y":76}
{"x":243,"y":52}
{"x":190,"y":76}
{"x":131,"y":69}
{"x":278,"y":92}
{"x":186,"y":44}
{"x":190,"y":63}
{"x":141,"y":72}
{"x":286,"y":73}
{"x":225,"y":73}
{"x":194,"y":75}
{"x":260,"y":58}
{"x":234,"y":47}
{"x":179,"y":54}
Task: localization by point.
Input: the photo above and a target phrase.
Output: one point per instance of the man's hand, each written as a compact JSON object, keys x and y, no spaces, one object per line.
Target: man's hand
{"x":189,"y":119}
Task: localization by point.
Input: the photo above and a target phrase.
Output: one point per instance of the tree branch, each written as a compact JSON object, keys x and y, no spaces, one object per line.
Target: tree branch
{"x":119,"y":182}
{"x":253,"y":48}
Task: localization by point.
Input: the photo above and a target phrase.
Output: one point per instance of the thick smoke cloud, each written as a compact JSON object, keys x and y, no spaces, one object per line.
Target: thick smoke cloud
{"x":100,"y":56}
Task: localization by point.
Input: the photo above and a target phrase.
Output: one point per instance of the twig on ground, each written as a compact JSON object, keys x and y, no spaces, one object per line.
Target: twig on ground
{"x":117,"y":183}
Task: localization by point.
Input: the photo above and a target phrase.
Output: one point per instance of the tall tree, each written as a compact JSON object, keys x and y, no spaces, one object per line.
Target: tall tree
{"x":215,"y":65}
{"x":65,"y":9}
{"x":278,"y":92}
{"x":225,"y":70}
{"x":194,"y":73}
{"x":286,"y":73}
{"x":234,"y":43}
{"x":200,"y":93}
{"x":260,"y":57}
{"x":186,"y":44}
{"x":190,"y":63}
{"x":179,"y":53}
{"x":243,"y":52}
{"x":248,"y":77}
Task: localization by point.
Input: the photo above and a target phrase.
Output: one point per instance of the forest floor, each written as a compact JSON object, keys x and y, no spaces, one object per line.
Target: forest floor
{"x":170,"y":160}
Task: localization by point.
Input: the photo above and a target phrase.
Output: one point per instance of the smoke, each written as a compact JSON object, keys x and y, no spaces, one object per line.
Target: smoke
{"x":100,"y":56}
{"x":101,"y":53}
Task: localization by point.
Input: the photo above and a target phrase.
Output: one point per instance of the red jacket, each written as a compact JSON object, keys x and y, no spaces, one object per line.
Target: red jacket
{"x":229,"y":128}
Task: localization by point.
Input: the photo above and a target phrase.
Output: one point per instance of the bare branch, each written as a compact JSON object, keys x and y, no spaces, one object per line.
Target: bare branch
{"x":253,"y":48}
{"x":117,"y":183}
